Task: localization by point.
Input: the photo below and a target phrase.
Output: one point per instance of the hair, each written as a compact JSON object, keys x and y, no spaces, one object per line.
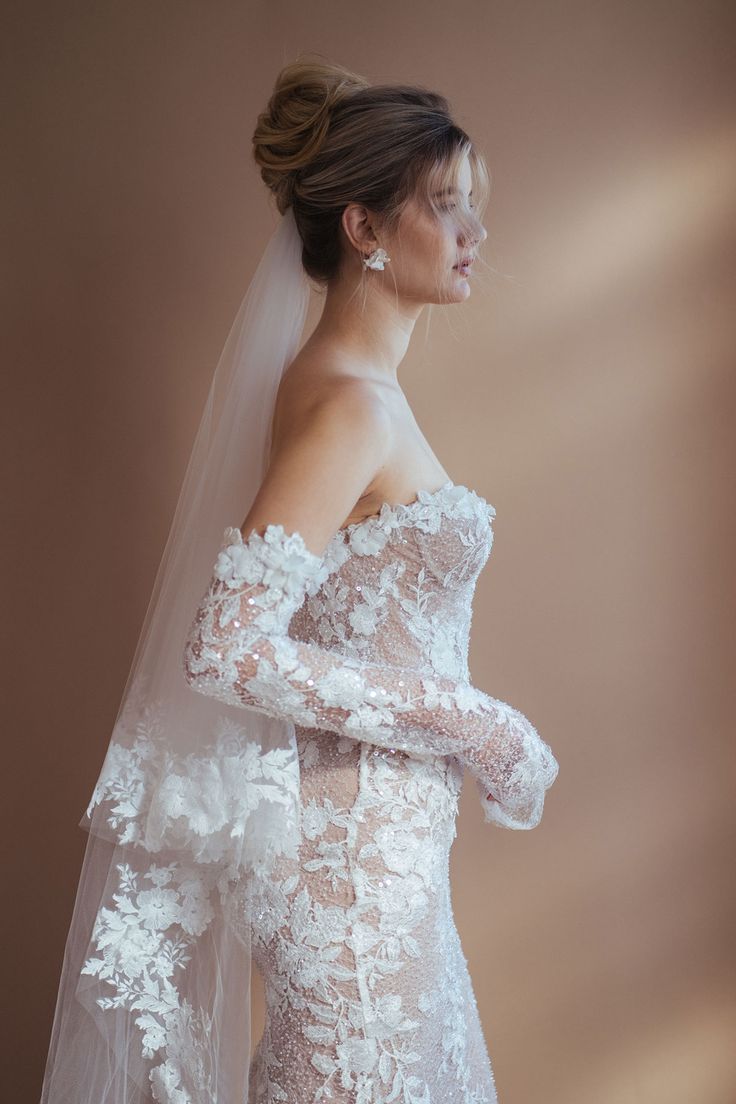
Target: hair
{"x":328,"y":138}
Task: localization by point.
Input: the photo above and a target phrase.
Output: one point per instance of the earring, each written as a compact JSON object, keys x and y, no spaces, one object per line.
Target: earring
{"x":376,"y":259}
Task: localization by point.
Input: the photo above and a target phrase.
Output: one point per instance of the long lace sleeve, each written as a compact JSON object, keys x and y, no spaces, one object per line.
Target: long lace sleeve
{"x":238,"y":650}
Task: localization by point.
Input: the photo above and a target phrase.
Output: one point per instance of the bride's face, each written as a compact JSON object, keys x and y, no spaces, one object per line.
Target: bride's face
{"x":426,"y":249}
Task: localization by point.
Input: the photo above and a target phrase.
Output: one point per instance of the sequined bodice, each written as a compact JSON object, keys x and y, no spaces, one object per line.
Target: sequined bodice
{"x":398,"y":586}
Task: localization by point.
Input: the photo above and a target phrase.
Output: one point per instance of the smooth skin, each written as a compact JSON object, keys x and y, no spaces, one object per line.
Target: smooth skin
{"x":344,"y":437}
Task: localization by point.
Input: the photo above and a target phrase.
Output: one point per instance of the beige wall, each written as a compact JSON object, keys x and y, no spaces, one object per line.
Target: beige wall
{"x":586,"y":390}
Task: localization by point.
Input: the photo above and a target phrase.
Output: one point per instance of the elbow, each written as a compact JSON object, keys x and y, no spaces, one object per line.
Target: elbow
{"x":185,"y":665}
{"x":189,"y":663}
{"x":211,"y":670}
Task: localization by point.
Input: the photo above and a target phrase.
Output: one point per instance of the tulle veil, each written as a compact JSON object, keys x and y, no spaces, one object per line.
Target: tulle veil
{"x":193,"y":795}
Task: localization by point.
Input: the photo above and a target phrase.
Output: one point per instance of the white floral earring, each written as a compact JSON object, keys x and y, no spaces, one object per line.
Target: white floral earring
{"x":376,"y":259}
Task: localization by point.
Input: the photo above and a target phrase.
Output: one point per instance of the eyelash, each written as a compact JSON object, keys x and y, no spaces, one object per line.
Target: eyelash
{"x":449,"y":206}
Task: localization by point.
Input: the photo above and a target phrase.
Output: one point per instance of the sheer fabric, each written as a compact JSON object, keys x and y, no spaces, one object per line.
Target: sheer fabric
{"x":194,"y":795}
{"x":239,"y":651}
{"x":365,"y":649}
{"x":242,"y":808}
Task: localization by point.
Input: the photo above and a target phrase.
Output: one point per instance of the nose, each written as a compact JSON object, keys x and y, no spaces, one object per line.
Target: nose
{"x":476,"y":234}
{"x":482,"y":233}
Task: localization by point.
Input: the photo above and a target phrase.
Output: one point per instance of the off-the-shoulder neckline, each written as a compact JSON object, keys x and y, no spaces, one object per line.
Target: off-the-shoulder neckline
{"x":398,"y":512}
{"x":401,"y":509}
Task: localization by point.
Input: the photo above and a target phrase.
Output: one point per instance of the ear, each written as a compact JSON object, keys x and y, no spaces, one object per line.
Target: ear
{"x":358,"y":222}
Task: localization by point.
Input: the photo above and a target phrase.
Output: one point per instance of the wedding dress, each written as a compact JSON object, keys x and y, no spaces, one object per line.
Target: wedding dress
{"x":368,"y":994}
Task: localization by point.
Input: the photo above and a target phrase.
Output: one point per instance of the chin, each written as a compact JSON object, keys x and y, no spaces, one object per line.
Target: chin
{"x":456,"y":292}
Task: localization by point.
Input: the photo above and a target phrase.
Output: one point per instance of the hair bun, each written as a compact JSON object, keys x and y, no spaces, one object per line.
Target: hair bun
{"x":290,"y":131}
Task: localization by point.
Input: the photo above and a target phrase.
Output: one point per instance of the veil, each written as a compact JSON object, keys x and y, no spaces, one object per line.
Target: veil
{"x":193,"y":795}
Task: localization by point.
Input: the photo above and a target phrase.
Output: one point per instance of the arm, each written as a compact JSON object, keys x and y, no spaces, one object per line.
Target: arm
{"x":238,"y":648}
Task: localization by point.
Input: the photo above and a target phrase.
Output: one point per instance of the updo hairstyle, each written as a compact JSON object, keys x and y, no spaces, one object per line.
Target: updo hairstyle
{"x":328,"y":138}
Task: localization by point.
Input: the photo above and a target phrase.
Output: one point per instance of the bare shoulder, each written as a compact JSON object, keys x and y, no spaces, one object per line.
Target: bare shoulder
{"x":328,"y":384}
{"x":331,"y":433}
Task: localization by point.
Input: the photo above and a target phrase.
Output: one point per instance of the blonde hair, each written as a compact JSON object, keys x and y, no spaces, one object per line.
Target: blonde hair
{"x":328,"y":138}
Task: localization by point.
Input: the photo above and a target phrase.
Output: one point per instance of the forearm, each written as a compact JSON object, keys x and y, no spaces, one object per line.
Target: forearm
{"x":323,"y":688}
{"x":228,"y":657}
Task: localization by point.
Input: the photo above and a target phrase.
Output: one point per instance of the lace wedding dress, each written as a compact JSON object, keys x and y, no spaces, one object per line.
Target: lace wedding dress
{"x":364,"y":649}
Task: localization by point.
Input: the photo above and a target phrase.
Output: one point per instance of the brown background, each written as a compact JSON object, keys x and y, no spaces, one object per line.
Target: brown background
{"x":586,"y":390}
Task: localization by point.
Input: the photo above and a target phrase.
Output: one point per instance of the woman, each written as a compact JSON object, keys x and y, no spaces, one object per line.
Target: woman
{"x":338,"y":612}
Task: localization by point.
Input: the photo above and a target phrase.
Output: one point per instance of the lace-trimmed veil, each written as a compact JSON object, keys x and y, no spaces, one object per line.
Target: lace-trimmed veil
{"x":154,"y":997}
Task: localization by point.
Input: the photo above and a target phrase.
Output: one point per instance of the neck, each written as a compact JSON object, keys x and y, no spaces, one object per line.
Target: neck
{"x":373,"y":329}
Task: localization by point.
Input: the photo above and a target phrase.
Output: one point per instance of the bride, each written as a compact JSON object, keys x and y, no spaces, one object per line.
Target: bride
{"x":283,"y":779}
